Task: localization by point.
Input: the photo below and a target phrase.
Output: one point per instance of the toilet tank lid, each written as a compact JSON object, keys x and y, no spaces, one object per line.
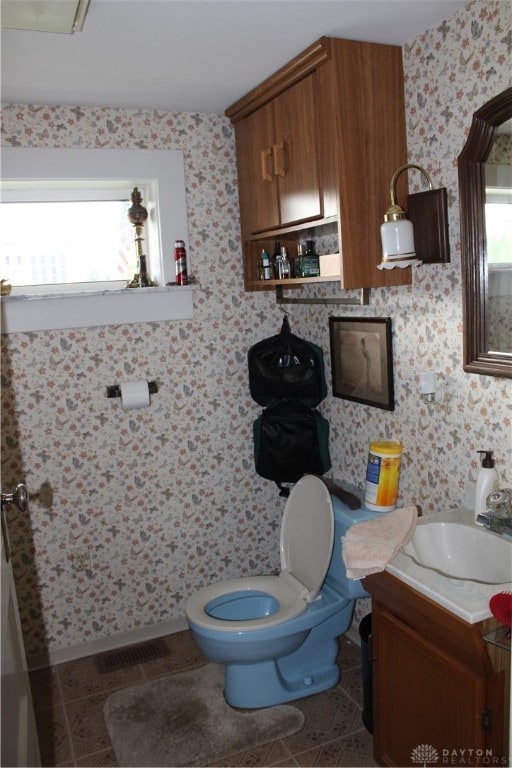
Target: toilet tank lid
{"x":346,"y":516}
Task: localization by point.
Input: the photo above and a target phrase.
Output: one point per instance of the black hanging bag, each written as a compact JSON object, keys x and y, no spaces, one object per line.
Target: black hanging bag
{"x":290,"y":440}
{"x":285,"y":367}
{"x":287,"y":377}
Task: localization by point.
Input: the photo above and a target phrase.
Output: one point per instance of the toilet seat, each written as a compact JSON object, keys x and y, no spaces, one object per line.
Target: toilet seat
{"x":306,"y":543}
{"x":307,"y":534}
{"x":289,"y":603}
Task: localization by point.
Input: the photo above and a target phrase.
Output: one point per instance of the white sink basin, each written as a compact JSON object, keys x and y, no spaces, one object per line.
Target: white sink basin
{"x":461,"y":551}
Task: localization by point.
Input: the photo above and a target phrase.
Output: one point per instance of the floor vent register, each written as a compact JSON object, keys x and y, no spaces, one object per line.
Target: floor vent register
{"x":110,"y":661}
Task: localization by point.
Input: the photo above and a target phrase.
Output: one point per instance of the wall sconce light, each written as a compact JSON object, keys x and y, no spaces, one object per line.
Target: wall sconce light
{"x":421,"y":238}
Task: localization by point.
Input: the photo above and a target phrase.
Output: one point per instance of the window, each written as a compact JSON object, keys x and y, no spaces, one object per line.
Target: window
{"x":66,"y":243}
{"x":86,"y":175}
{"x":98,"y":183}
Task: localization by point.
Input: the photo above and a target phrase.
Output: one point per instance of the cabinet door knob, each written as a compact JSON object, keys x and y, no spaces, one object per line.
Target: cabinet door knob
{"x":280,"y":159}
{"x":265,"y":154}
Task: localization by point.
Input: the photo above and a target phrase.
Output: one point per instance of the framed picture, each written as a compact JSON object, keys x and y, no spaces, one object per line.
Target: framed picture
{"x":362,"y":360}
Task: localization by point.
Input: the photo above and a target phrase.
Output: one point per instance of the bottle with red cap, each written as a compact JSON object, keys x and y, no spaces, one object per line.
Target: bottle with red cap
{"x":180,"y":261}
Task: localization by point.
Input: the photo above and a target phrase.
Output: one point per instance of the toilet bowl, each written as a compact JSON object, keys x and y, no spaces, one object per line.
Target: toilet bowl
{"x":277,"y":635}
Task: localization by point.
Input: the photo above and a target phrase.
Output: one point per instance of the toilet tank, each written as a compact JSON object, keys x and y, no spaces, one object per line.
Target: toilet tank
{"x":344,"y":517}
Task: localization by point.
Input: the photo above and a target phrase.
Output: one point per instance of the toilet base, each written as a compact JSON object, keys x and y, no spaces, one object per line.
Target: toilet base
{"x":310,"y":669}
{"x":261,"y":685}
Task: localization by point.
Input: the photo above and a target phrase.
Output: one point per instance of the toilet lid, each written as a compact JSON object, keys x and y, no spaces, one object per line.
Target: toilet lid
{"x":307,"y":533}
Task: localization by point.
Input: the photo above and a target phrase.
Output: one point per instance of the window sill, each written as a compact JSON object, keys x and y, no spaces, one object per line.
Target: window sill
{"x":21,"y":314}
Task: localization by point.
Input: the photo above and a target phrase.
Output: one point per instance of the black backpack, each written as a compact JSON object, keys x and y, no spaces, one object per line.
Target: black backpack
{"x":286,"y":374}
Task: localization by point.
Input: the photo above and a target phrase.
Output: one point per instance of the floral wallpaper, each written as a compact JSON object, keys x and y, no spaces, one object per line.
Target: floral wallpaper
{"x":166,"y":500}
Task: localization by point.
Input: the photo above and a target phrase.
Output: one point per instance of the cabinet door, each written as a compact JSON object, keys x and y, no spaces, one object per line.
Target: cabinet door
{"x":426,"y":705}
{"x":296,"y":159}
{"x":259,"y":209}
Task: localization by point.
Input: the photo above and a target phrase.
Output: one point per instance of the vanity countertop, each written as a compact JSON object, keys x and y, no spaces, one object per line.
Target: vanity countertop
{"x":467,"y":599}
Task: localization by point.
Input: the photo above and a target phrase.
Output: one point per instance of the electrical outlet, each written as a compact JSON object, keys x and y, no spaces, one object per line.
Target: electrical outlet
{"x":81,"y":560}
{"x":446,"y":399}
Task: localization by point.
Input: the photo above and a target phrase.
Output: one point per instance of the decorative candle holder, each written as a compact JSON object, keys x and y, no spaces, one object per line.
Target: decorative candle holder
{"x":137,"y":216}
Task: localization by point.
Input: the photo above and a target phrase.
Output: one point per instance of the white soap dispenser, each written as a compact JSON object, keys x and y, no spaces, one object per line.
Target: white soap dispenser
{"x":487,"y":481}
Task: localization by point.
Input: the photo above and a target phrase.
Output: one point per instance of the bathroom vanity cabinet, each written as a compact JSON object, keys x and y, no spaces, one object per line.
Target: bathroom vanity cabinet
{"x":317,"y":144}
{"x":440,"y":691}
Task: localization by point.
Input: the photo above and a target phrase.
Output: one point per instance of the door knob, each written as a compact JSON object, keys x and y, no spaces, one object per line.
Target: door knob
{"x":18,"y":497}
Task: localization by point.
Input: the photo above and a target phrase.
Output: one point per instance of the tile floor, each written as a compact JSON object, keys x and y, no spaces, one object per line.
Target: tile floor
{"x":68,"y":700}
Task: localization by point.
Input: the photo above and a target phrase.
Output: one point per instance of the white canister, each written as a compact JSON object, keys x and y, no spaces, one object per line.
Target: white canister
{"x":382,"y":475}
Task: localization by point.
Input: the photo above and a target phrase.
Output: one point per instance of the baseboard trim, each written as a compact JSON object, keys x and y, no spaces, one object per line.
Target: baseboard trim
{"x":120,"y":639}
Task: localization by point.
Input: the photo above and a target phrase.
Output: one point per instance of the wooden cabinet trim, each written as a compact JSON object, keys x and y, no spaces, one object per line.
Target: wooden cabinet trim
{"x":435,"y":623}
{"x":302,"y":65}
{"x":292,"y":228}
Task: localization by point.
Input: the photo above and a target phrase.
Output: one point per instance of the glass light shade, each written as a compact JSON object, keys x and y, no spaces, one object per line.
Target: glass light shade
{"x":397,"y":239}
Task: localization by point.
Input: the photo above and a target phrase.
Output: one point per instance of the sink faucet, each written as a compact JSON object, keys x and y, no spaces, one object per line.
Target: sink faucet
{"x":498,"y":514}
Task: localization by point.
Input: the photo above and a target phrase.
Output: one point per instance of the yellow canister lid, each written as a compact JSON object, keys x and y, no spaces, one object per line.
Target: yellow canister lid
{"x":387,"y":447}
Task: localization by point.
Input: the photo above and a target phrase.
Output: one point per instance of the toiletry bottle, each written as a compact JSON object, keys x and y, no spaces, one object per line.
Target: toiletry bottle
{"x":266,"y":266}
{"x":311,"y":260}
{"x":276,"y":258}
{"x":487,"y":481}
{"x":299,"y":269}
{"x":180,"y":261}
{"x":285,"y":264}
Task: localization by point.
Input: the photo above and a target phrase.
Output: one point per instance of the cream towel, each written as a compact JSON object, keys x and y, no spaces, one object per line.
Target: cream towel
{"x":369,"y":546}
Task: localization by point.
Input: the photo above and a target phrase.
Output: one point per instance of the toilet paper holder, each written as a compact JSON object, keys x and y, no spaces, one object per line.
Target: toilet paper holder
{"x":115,"y":389}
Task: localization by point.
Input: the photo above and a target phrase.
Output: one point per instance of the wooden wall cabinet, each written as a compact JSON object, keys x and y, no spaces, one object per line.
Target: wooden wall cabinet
{"x":439,"y":694}
{"x":278,"y":166}
{"x":317,"y":145}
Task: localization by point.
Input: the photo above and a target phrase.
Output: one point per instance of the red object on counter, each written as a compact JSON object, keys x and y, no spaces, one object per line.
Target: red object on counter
{"x":180,"y":260}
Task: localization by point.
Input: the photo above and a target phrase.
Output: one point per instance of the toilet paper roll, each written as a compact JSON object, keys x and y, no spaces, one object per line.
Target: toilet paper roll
{"x":134,"y":394}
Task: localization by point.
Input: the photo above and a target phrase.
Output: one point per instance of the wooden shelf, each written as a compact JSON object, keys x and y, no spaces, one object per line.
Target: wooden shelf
{"x":312,"y":224}
{"x":295,"y":282}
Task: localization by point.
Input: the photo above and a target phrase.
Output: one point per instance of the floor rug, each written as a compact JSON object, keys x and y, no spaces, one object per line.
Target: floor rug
{"x":184,"y":720}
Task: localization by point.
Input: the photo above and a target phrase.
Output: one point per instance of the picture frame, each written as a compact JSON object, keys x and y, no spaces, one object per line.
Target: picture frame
{"x":362,"y":360}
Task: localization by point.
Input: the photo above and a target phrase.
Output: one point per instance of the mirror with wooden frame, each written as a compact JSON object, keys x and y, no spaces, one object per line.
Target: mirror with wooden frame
{"x":485,"y":185}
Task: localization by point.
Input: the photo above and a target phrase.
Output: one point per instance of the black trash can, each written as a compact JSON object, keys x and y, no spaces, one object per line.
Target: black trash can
{"x":365,"y":630}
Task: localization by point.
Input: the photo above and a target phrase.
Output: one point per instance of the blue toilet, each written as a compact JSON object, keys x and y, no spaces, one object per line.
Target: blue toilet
{"x":278,"y":635}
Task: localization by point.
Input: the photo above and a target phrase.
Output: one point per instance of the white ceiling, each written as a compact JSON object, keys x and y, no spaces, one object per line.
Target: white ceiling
{"x":192,"y":55}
